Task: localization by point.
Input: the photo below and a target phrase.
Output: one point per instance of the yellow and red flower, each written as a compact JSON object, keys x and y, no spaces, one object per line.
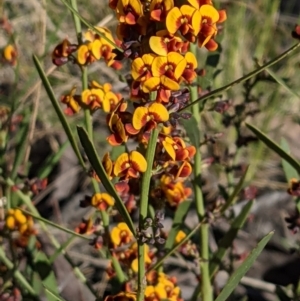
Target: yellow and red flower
{"x":118,"y":122}
{"x":141,"y":67}
{"x":189,"y":73}
{"x":149,"y":116}
{"x":62,"y":52}
{"x":174,"y":191}
{"x":10,"y":54}
{"x":130,"y":165}
{"x":121,"y":234}
{"x":86,"y":227}
{"x":72,"y":101}
{"x":166,"y":71}
{"x":159,"y":9}
{"x":95,"y":99}
{"x":102,"y":201}
{"x":16,"y":220}
{"x":129,"y":11}
{"x":185,"y":19}
{"x":177,"y":149}
{"x":164,"y":42}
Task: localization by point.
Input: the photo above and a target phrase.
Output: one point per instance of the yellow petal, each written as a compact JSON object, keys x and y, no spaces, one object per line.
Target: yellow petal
{"x":191,"y":60}
{"x":169,"y":149}
{"x":194,"y":3}
{"x":140,"y":117}
{"x":82,"y":54}
{"x":173,"y":20}
{"x":121,"y":164}
{"x":96,"y":49}
{"x":169,"y":84}
{"x":196,"y":22}
{"x":158,"y":65}
{"x":138,"y":161}
{"x":159,"y":112}
{"x":115,"y":236}
{"x":137,"y":68}
{"x":123,"y":227}
{"x":158,"y":46}
{"x":107,"y":199}
{"x":209,"y":11}
{"x":151,"y":84}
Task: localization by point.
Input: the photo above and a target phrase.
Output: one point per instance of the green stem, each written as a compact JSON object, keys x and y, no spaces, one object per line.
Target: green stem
{"x":77,"y":22}
{"x":145,"y":185}
{"x":241,"y":79}
{"x":206,"y":288}
{"x":17,"y":275}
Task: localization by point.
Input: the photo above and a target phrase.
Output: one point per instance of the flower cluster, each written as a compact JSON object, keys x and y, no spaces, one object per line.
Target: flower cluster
{"x":157,"y":37}
{"x":159,"y":287}
{"x":17,"y":221}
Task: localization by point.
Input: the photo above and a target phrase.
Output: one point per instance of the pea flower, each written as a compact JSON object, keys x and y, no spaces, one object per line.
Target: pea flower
{"x":150,"y":116}
{"x":130,"y":165}
{"x":166,"y":71}
{"x":129,"y":11}
{"x":121,"y":235}
{"x":159,"y":9}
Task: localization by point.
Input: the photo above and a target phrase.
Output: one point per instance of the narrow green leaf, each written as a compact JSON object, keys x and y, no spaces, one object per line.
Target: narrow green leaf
{"x":63,"y":229}
{"x":243,"y":269}
{"x":58,"y":110}
{"x":51,"y":161}
{"x":275,"y":147}
{"x":170,"y":252}
{"x":20,"y":148}
{"x":43,"y":267}
{"x":53,"y":294}
{"x":99,"y":169}
{"x":228,"y":238}
{"x":289,"y":171}
{"x":237,"y":189}
{"x":191,"y":127}
{"x":282,"y":83}
{"x":178,"y":221}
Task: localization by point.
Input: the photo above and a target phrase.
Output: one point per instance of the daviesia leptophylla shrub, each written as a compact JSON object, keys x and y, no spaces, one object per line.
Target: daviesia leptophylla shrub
{"x":156,"y":37}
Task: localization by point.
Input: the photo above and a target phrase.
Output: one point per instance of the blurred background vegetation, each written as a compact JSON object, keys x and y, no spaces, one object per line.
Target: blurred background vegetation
{"x":256,"y":31}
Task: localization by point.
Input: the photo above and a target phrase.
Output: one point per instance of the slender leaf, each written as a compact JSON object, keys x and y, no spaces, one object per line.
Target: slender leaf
{"x":99,"y":169}
{"x":58,"y":110}
{"x":243,"y":269}
{"x":43,"y":267}
{"x":275,"y":147}
{"x":53,"y":294}
{"x":228,"y":238}
{"x":230,"y":201}
{"x":282,"y":83}
{"x":63,"y":229}
{"x":178,"y":221}
{"x":289,"y":171}
{"x":20,"y":148}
